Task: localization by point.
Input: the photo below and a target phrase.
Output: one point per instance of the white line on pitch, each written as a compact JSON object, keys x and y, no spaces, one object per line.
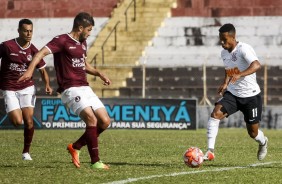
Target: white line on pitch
{"x":191,"y":172}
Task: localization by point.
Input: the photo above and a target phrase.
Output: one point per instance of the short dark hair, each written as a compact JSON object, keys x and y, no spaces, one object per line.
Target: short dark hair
{"x":227,"y":28}
{"x":83,"y":19}
{"x":24,"y":21}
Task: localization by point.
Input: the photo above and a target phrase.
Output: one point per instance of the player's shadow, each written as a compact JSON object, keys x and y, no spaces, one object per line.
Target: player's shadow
{"x":57,"y":164}
{"x":140,"y":164}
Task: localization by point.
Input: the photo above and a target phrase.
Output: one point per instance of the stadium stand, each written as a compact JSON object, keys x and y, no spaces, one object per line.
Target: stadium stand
{"x":172,"y":49}
{"x":43,"y":34}
{"x":55,"y":8}
{"x":51,"y":18}
{"x":194,"y":40}
{"x":190,"y":38}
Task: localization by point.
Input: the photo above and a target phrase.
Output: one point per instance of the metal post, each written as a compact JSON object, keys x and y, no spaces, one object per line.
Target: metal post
{"x":102,"y":55}
{"x":134,"y":18}
{"x":144,"y":78}
{"x":205,"y":99}
{"x":265,"y":85}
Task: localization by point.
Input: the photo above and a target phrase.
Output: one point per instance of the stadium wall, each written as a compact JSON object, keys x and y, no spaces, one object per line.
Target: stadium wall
{"x":223,"y":8}
{"x":180,"y":114}
{"x":101,"y":8}
{"x":55,"y":8}
{"x":271,"y":118}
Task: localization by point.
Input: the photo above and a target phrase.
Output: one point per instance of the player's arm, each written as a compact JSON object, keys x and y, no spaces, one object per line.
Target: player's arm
{"x":224,"y":85}
{"x":36,"y":59}
{"x":46,"y":79}
{"x":92,"y":71}
{"x":254,"y":66}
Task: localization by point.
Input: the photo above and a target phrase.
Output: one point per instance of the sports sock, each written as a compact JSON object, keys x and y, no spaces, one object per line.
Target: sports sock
{"x":28,"y":135}
{"x":92,"y":143}
{"x":100,"y":130}
{"x":260,"y":138}
{"x":212,"y":130}
{"x":80,"y":142}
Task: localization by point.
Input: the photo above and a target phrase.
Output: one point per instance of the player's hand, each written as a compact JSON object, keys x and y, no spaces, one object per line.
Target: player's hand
{"x":234,"y":78}
{"x":221,"y":89}
{"x":48,"y":90}
{"x":26,"y":76}
{"x":106,"y":80}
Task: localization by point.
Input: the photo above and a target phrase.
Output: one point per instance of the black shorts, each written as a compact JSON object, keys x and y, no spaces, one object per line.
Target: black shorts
{"x":251,"y":107}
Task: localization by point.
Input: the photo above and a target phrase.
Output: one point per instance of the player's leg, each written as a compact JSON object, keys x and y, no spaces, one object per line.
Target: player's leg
{"x":252,"y":115}
{"x":28,"y":131}
{"x":102,"y":124}
{"x":88,"y":116}
{"x":13,"y":108}
{"x":81,"y":100}
{"x":258,"y":136}
{"x":27,"y":102}
{"x":103,"y":120}
{"x":212,"y":130}
{"x":224,"y":107}
{"x":15,"y":117}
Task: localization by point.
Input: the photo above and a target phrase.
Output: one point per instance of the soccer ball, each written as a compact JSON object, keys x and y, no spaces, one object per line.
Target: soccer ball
{"x":193,"y":157}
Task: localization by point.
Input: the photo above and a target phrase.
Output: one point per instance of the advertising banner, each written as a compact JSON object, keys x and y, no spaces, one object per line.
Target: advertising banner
{"x":50,"y":113}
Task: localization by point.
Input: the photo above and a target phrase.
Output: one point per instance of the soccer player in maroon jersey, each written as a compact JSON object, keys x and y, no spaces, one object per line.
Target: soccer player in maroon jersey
{"x":69,"y":51}
{"x":16,"y":55}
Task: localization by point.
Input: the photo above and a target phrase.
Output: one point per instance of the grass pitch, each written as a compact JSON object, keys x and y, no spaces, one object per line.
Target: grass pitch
{"x":140,"y":156}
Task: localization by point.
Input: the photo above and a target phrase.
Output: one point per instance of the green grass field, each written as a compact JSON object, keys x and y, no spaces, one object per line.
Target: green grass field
{"x":140,"y":156}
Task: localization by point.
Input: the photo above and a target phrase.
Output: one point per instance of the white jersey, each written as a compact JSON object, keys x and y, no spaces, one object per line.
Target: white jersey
{"x":237,"y":61}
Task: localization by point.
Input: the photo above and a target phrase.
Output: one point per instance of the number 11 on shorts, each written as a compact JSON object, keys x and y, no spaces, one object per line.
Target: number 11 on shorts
{"x":255,"y":112}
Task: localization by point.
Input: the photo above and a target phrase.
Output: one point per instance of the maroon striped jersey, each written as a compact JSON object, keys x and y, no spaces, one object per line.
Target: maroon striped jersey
{"x":69,"y":61}
{"x":14,"y":62}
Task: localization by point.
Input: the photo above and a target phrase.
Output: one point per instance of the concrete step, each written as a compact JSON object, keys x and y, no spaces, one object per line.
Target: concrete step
{"x":98,"y":83}
{"x":118,"y":48}
{"x":116,"y":71}
{"x":123,"y":42}
{"x":106,"y":92}
{"x":118,"y":62}
{"x":125,"y":56}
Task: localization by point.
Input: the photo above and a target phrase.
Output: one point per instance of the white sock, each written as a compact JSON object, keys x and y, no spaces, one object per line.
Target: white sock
{"x":260,"y":138}
{"x":212,"y":130}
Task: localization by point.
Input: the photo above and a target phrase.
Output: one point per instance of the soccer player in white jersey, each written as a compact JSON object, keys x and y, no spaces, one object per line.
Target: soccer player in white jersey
{"x":240,"y":91}
{"x":70,"y":51}
{"x":19,"y":97}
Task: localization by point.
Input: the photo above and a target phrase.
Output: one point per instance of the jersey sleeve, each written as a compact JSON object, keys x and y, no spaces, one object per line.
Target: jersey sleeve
{"x":56,"y":44}
{"x":249,"y":54}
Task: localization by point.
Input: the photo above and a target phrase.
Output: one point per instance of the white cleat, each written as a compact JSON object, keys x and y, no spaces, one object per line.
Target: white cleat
{"x":262,"y":151}
{"x":26,"y":156}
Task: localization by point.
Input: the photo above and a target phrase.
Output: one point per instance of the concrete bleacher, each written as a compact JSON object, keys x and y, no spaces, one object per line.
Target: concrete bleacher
{"x":53,"y":9}
{"x":162,"y":82}
{"x":187,"y":82}
{"x":44,"y":29}
{"x":179,"y":49}
{"x":194,"y":40}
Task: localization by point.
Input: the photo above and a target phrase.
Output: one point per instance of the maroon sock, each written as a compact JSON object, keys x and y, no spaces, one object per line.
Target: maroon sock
{"x":28,"y":135}
{"x":99,"y":131}
{"x":80,"y":142}
{"x":92,"y":143}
